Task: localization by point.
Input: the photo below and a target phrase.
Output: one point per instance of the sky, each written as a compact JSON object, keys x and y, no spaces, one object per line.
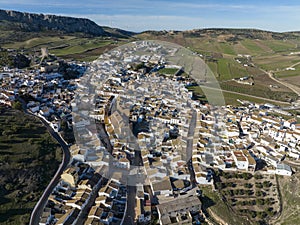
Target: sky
{"x":141,"y":15}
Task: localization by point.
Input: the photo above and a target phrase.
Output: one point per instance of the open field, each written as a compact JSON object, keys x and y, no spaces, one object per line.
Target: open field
{"x":259,"y":90}
{"x":227,"y":48}
{"x":295,"y":80}
{"x":290,"y":194}
{"x":231,"y":99}
{"x":29,"y":158}
{"x":288,"y":73}
{"x":276,"y":61}
{"x":171,"y":71}
{"x":67,"y":46}
{"x":223,"y":69}
{"x":252,"y":47}
{"x":81,"y":45}
{"x":40,"y":42}
{"x":279,"y":45}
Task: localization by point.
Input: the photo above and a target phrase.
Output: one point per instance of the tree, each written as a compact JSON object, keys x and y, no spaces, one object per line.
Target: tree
{"x":249,"y":192}
{"x":248,"y":185}
{"x":259,"y":185}
{"x":260,"y":201}
{"x":17,"y":105}
{"x":253,"y":214}
{"x":247,"y":176}
{"x":267,"y":184}
{"x":258,"y":176}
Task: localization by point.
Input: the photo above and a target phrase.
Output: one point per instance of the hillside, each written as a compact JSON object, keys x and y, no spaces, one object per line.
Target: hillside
{"x":16,"y":26}
{"x":235,"y":53}
{"x":29,"y":157}
{"x":231,"y":34}
{"x":231,"y":54}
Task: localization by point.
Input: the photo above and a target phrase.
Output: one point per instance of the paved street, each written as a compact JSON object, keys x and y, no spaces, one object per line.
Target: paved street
{"x":85,"y":211}
{"x":38,"y":209}
{"x":130,"y":212}
{"x":189,"y":146}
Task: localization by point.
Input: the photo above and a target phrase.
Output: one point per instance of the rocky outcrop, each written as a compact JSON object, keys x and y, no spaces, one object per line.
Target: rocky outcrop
{"x":39,"y":22}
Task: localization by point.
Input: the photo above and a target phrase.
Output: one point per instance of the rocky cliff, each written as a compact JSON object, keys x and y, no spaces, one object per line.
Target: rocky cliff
{"x":22,"y":21}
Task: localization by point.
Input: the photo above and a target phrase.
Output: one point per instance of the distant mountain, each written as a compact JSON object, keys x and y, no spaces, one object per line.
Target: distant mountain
{"x":116,"y":32}
{"x":20,"y":22}
{"x":228,"y":34}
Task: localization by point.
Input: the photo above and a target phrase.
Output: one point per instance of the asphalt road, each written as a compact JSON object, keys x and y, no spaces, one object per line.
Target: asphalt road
{"x":38,"y":209}
{"x":189,"y":147}
{"x":131,"y":189}
{"x":130,"y":212}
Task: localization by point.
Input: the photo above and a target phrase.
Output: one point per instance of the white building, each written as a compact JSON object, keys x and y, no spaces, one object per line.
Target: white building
{"x":240,"y":160}
{"x":283,"y":169}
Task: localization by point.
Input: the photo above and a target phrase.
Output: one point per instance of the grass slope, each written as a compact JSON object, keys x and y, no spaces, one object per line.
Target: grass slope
{"x":29,"y":157}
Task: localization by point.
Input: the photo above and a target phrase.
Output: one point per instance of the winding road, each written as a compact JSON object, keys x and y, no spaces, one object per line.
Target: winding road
{"x":294,"y":88}
{"x":39,"y":207}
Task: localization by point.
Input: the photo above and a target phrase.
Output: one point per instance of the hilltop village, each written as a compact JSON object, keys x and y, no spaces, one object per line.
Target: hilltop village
{"x":145,"y":146}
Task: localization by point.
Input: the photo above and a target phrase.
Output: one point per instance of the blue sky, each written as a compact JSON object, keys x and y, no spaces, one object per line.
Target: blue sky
{"x":140,"y":15}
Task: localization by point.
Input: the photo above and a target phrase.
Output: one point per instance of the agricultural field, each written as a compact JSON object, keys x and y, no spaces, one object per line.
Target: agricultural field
{"x":276,"y":61}
{"x":223,"y":69}
{"x":253,"y":196}
{"x":83,"y":49}
{"x":252,"y":47}
{"x":217,"y":209}
{"x":40,"y":42}
{"x":79,"y":46}
{"x":279,"y":45}
{"x":288,"y":73}
{"x":259,"y":90}
{"x":29,"y":158}
{"x":293,"y":80}
{"x":227,"y":69}
{"x":231,"y":99}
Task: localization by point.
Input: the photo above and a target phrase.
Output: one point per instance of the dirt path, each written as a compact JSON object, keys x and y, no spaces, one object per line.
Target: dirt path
{"x":294,"y":88}
{"x":295,"y":64}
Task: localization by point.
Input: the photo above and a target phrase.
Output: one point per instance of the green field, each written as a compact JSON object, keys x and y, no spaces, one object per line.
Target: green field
{"x":279,"y":46}
{"x":252,"y":47}
{"x":79,"y":47}
{"x":259,"y":90}
{"x":40,"y":42}
{"x":227,"y":48}
{"x":223,"y":69}
{"x":289,"y":73}
{"x":276,"y":61}
{"x":65,"y":46}
{"x":29,"y":157}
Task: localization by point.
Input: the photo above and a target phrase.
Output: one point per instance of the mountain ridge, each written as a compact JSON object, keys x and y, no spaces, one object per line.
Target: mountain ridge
{"x":11,"y":20}
{"x":19,"y":22}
